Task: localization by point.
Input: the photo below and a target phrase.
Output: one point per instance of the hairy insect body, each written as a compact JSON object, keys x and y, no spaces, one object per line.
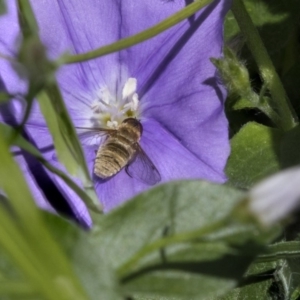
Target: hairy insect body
{"x":119,"y":149}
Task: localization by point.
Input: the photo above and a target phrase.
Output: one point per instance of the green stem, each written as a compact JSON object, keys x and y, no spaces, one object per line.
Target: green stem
{"x":167,"y":241}
{"x":137,"y":38}
{"x":17,"y":289}
{"x":13,"y":242}
{"x":267,"y":70}
{"x":27,"y":19}
{"x":281,"y":250}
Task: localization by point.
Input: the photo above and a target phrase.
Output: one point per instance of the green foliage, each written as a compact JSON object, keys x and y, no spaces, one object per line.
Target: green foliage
{"x":89,"y":263}
{"x":259,"y":145}
{"x":183,"y":240}
{"x":2,"y":7}
{"x":275,"y":20}
{"x":254,"y":155}
{"x":19,"y":141}
{"x":40,"y":260}
{"x":185,"y":245}
{"x":258,"y":282}
{"x":66,"y":141}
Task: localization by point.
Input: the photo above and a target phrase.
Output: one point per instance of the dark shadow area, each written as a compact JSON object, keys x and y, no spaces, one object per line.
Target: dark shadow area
{"x":222,"y":268}
{"x":228,"y":267}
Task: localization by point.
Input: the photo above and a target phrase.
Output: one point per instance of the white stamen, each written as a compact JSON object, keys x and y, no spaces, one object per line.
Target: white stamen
{"x":109,"y":109}
{"x":112,"y":124}
{"x":129,"y":88}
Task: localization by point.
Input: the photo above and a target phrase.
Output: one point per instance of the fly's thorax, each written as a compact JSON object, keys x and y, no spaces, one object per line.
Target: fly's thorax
{"x":130,"y":129}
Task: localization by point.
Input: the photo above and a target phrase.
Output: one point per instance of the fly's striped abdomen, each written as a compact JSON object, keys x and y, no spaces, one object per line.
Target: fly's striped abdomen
{"x":113,"y":156}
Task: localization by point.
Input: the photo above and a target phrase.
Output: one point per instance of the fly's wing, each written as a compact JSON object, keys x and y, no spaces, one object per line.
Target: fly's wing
{"x":142,"y":168}
{"x":93,"y":136}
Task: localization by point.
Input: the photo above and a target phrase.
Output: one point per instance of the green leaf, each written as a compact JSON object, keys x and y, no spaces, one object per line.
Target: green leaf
{"x":254,"y":154}
{"x":242,"y":103}
{"x":66,"y":142}
{"x":27,"y":21}
{"x":2,"y":7}
{"x":283,"y":277}
{"x":90,"y":265}
{"x":173,"y":242}
{"x":162,"y":211}
{"x":257,"y":283}
{"x":40,"y":259}
{"x":285,"y":258}
{"x":17,"y":290}
{"x":190,"y":274}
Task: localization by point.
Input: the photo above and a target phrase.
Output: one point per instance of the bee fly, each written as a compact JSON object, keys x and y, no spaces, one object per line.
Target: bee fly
{"x":121,"y":149}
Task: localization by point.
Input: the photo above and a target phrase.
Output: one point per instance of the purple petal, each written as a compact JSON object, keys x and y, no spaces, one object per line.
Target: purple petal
{"x":43,"y":184}
{"x":80,"y":26}
{"x":185,"y":129}
{"x":8,"y":46}
{"x":180,"y":83}
{"x":171,"y":158}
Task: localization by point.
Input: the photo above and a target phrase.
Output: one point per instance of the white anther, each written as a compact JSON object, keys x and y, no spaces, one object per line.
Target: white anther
{"x":109,"y":110}
{"x":129,"y":88}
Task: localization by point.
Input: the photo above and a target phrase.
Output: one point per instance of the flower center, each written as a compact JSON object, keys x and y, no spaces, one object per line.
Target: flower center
{"x":109,"y":110}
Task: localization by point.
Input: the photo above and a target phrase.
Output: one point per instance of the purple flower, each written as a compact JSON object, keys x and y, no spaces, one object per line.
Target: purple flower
{"x":167,"y":82}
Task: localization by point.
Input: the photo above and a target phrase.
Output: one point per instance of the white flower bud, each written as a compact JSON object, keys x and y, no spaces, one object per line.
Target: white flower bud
{"x":275,"y":197}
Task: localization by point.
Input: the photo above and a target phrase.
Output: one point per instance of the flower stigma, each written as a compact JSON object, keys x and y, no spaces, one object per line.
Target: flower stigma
{"x":110,"y":110}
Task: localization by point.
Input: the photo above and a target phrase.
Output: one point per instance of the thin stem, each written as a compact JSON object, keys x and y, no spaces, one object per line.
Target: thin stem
{"x":167,"y":241}
{"x":267,"y":70}
{"x":281,"y":250}
{"x":137,"y":38}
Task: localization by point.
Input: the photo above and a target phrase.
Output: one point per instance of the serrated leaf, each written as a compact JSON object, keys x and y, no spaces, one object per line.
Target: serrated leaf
{"x":254,"y":154}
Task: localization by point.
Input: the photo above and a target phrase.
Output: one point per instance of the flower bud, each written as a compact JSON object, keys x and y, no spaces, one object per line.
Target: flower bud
{"x":234,"y":74}
{"x":276,"y":197}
